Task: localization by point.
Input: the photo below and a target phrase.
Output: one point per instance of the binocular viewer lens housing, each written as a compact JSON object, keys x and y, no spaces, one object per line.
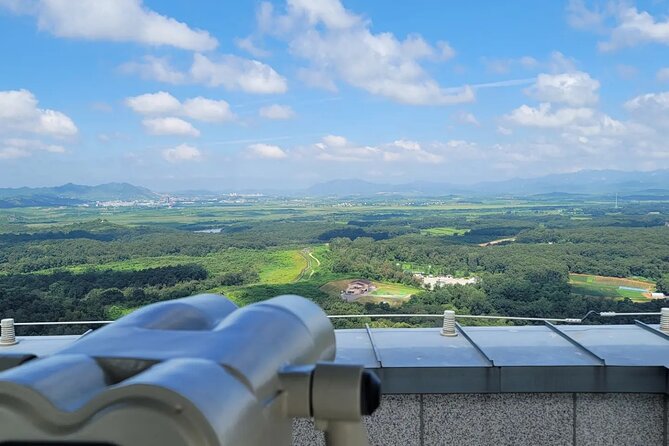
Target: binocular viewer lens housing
{"x":192,"y":371}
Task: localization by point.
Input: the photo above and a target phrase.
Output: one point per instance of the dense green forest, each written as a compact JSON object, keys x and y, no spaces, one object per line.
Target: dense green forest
{"x":79,"y":267}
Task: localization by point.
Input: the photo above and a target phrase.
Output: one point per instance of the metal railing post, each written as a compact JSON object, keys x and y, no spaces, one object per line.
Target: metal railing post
{"x":7,"y":335}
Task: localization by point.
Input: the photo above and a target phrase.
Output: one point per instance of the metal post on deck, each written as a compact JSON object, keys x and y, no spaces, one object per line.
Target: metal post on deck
{"x":7,"y":335}
{"x":664,"y":320}
{"x":449,"y":324}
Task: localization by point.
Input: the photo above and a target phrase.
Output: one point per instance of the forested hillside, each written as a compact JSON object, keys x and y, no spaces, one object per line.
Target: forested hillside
{"x":79,"y":267}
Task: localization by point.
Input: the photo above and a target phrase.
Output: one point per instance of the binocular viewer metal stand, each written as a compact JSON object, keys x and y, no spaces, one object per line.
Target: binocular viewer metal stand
{"x":192,"y":371}
{"x":336,"y":396}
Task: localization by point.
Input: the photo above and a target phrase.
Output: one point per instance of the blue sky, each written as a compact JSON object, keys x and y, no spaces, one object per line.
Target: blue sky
{"x":230,"y":95}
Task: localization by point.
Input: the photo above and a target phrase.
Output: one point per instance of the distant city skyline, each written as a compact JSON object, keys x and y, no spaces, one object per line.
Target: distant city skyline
{"x":285,"y":94}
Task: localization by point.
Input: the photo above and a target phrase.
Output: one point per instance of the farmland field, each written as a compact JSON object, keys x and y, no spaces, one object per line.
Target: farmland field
{"x":447,"y":231}
{"x":393,"y":290}
{"x":615,"y":287}
{"x":96,"y":263}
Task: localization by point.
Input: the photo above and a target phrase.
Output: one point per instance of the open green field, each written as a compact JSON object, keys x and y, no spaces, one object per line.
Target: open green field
{"x":391,"y":293}
{"x":613,"y":287}
{"x":282,"y":267}
{"x":393,"y":290}
{"x":44,"y":218}
{"x":274,"y":266}
{"x":93,"y":263}
{"x":444,"y":231}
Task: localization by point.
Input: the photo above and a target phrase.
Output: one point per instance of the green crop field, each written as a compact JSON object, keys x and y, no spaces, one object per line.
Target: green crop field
{"x":447,"y":231}
{"x":93,"y":262}
{"x":394,"y":290}
{"x":604,"y":286}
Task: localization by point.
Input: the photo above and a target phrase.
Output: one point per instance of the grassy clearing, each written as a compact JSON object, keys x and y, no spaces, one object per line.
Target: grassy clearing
{"x":396,"y":290}
{"x":392,"y":293}
{"x":274,"y":266}
{"x":592,"y":285}
{"x":444,"y":231}
{"x":282,"y":267}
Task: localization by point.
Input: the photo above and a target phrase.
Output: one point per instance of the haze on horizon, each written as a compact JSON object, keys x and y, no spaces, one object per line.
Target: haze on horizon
{"x":285,"y":94}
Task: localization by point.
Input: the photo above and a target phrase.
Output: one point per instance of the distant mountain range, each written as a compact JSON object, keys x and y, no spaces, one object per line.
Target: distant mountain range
{"x":598,"y":182}
{"x":72,"y":194}
{"x":629,"y":185}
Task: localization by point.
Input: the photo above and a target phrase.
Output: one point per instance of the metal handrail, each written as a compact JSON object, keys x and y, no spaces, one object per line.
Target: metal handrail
{"x":64,"y":323}
{"x":468,"y":316}
{"x":398,"y":315}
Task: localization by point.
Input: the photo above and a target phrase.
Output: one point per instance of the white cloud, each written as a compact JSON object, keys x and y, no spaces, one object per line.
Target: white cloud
{"x":231,"y":72}
{"x":392,"y":156}
{"x":208,"y":110}
{"x":575,"y":88}
{"x":528,"y":62}
{"x":604,"y":125}
{"x":169,"y":126}
{"x":653,"y":105}
{"x":581,"y":131}
{"x":155,"y":68}
{"x":19,"y":113}
{"x":410,"y":151}
{"x":599,"y":142}
{"x":316,"y":79}
{"x":114,"y":20}
{"x":504,"y":131}
{"x":339,"y":45}
{"x":52,"y":148}
{"x":635,"y":27}
{"x":153,"y":103}
{"x":199,"y":108}
{"x":555,"y":63}
{"x":663,"y":74}
{"x":655,"y":101}
{"x":329,"y":12}
{"x":625,"y":25}
{"x":113,"y":136}
{"x":338,"y":148}
{"x":411,"y":146}
{"x":445,"y":50}
{"x":182,"y":152}
{"x":12,"y":148}
{"x":276,"y":111}
{"x":544,"y":116}
{"x":7,"y":153}
{"x":247,"y":44}
{"x":335,"y":141}
{"x":503,"y":66}
{"x":468,"y":118}
{"x":236,"y":73}
{"x":17,"y":6}
{"x":458,"y":150}
{"x":266,"y":151}
{"x":580,"y":17}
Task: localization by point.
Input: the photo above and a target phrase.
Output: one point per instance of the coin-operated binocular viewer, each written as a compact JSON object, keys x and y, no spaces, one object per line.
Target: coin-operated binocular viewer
{"x":192,"y":371}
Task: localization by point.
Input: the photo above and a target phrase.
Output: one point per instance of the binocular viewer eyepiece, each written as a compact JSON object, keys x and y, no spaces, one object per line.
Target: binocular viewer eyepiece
{"x":192,"y":371}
